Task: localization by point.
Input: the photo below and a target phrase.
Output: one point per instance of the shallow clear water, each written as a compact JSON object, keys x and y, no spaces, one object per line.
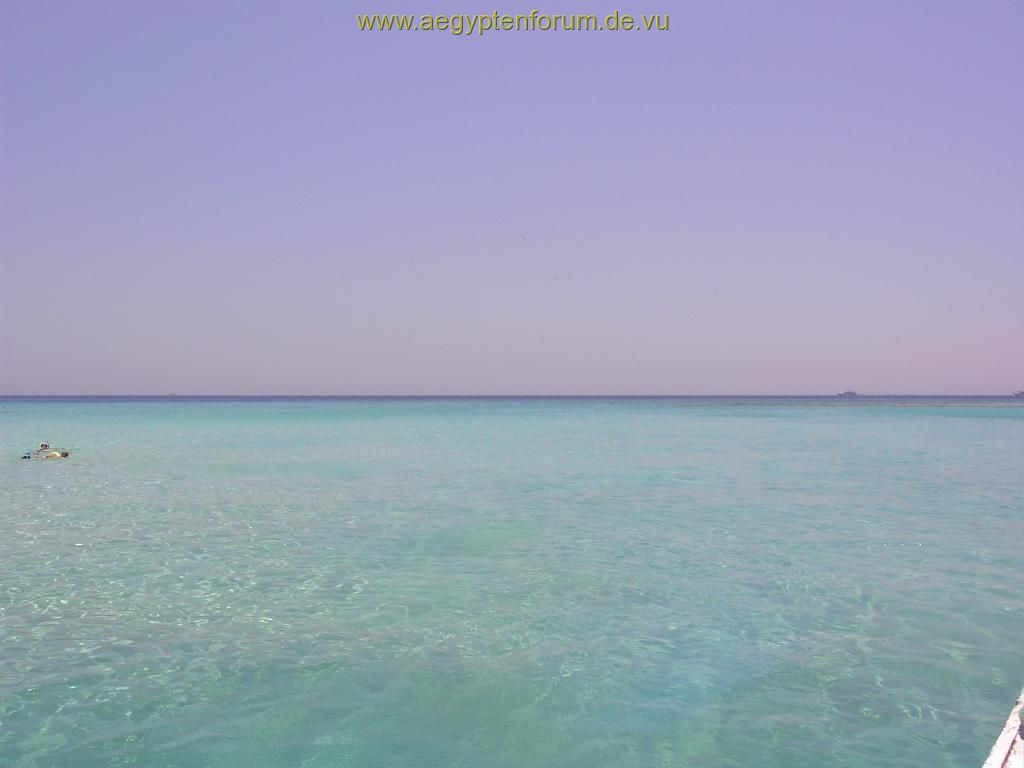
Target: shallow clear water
{"x":564,"y":582}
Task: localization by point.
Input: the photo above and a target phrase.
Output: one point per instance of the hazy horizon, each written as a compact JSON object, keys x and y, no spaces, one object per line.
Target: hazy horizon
{"x":500,"y":396}
{"x":795,"y":198}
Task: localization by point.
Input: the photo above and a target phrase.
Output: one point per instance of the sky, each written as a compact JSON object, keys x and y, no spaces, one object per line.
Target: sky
{"x":257,"y":197}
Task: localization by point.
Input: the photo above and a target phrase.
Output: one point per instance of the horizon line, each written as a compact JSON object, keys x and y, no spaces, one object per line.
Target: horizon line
{"x":852,"y":395}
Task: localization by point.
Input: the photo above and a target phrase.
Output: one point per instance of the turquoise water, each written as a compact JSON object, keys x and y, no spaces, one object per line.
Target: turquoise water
{"x":560,"y":582}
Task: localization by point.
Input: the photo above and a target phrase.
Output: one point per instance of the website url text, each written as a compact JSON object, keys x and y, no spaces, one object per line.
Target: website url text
{"x":478,"y":24}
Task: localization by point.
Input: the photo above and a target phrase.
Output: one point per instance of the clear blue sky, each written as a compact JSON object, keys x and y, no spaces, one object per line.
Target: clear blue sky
{"x":791,"y":197}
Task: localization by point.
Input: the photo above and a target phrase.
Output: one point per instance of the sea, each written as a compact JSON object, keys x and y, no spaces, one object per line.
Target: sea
{"x":510,"y":582}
